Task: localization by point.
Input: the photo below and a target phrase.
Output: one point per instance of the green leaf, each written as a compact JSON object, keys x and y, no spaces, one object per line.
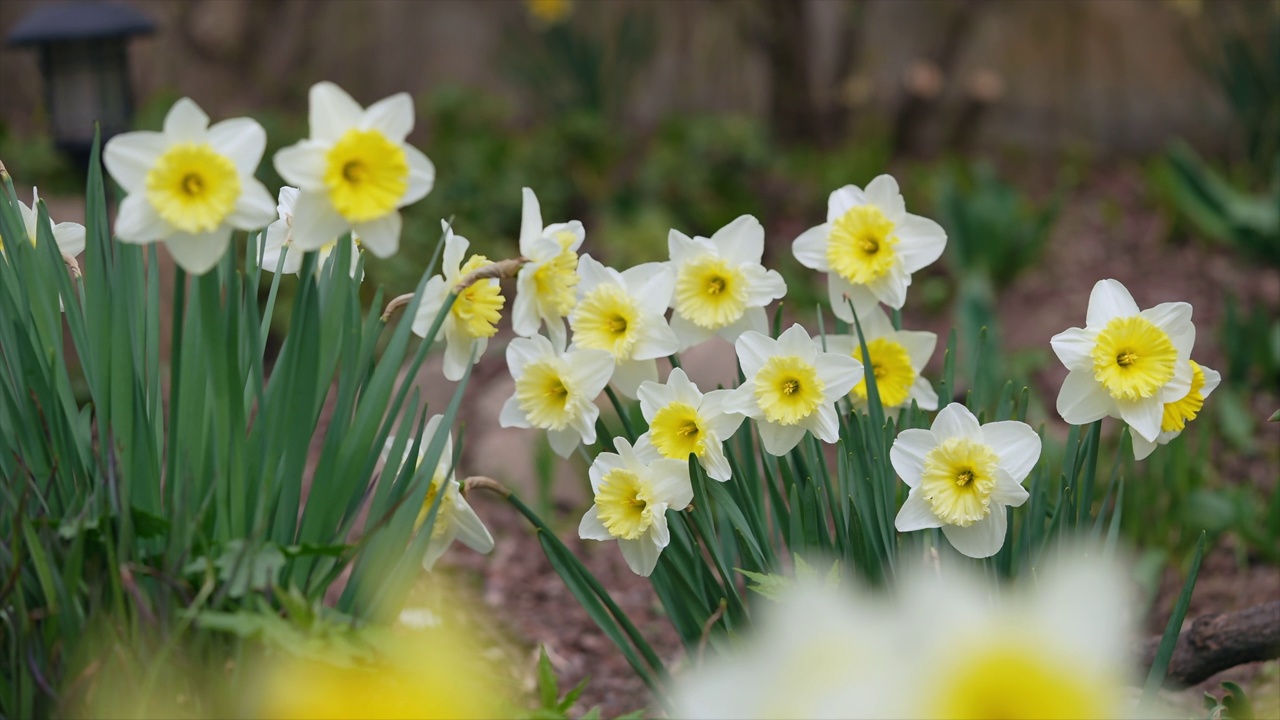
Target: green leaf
{"x":1168,"y":641}
{"x":242,"y":568}
{"x":548,"y":689}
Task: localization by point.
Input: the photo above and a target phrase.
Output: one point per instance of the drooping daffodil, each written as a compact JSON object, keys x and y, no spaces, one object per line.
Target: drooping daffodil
{"x":546,"y":286}
{"x":869,"y":246}
{"x":279,"y":241}
{"x":962,"y":474}
{"x":190,"y":185}
{"x":355,"y":171}
{"x":474,"y":316}
{"x":633,"y":489}
{"x":721,"y":287}
{"x":455,"y":519}
{"x":684,"y":421}
{"x":791,"y":387}
{"x":897,"y":357}
{"x":556,"y":391}
{"x":624,"y":314}
{"x":1181,"y":411}
{"x":1125,"y":363}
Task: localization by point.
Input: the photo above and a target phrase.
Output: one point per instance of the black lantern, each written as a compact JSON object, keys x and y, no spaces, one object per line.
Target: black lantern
{"x":85,"y":67}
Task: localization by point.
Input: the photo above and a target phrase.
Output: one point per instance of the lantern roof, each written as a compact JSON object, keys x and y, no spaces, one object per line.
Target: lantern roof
{"x":79,"y":20}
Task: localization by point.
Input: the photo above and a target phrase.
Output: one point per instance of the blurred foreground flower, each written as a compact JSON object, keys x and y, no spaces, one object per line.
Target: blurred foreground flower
{"x":869,"y":245}
{"x":633,"y":489}
{"x":1180,"y":412}
{"x":683,"y":422}
{"x":962,"y":475}
{"x":455,"y":520}
{"x":190,"y":185}
{"x":624,"y":313}
{"x":355,"y":171}
{"x":946,"y":646}
{"x":721,"y":287}
{"x":435,"y":673}
{"x":556,"y":391}
{"x":546,"y":286}
{"x":475,"y":313}
{"x":1125,"y":363}
{"x":279,"y":240}
{"x":791,"y":387}
{"x":897,"y":357}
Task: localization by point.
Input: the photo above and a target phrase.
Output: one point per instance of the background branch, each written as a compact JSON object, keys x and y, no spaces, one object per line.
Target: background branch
{"x":1217,"y":642}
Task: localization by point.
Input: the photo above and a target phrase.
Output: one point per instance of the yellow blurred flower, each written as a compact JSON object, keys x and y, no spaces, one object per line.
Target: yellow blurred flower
{"x":549,"y":12}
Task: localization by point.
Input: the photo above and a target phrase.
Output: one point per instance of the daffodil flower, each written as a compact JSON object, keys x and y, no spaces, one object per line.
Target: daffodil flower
{"x":683,"y":422}
{"x":633,"y":489}
{"x":190,"y":184}
{"x":1057,"y":650}
{"x":279,"y":241}
{"x":1181,"y":411}
{"x":791,"y":387}
{"x":546,"y":286}
{"x":355,"y":171}
{"x":624,"y":313}
{"x":1125,"y":363}
{"x":68,"y":236}
{"x":897,"y":357}
{"x":869,"y":246}
{"x":962,"y":475}
{"x":455,"y":519}
{"x":721,"y":287}
{"x":475,"y":313}
{"x":556,"y":391}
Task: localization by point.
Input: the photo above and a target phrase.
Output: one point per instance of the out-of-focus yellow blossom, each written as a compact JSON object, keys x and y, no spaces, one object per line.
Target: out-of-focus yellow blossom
{"x":1181,"y":411}
{"x":549,"y":12}
{"x":473,"y":318}
{"x":436,"y":673}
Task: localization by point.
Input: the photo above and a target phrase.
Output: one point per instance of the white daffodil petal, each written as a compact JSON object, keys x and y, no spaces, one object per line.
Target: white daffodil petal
{"x":138,"y":222}
{"x":381,"y":236}
{"x":590,"y":528}
{"x":908,"y":453}
{"x":811,"y":248}
{"x":332,"y":112}
{"x":513,"y":416}
{"x":422,"y":176}
{"x":303,"y":165}
{"x":1082,"y":399}
{"x":1143,"y":416}
{"x":1016,"y":444}
{"x":1008,"y":490}
{"x":956,"y":421}
{"x":1142,"y":447}
{"x":1175,"y":319}
{"x":1109,"y":299}
{"x":741,"y":241}
{"x":981,"y":539}
{"x":198,"y":253}
{"x":1074,"y":347}
{"x":915,"y":514}
{"x":242,"y":140}
{"x":591,"y":370}
{"x":129,"y":157}
{"x":69,"y":238}
{"x":778,"y":439}
{"x":629,"y":374}
{"x":843,"y":199}
{"x":921,"y":242}
{"x":392,"y":116}
{"x":315,"y":222}
{"x":754,"y":350}
{"x":530,"y":221}
{"x":564,"y":442}
{"x":471,"y":530}
{"x":254,"y":209}
{"x":186,"y":122}
{"x":641,"y":555}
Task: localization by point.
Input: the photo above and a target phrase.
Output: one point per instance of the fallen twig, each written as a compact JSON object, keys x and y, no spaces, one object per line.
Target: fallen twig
{"x":1214,"y":643}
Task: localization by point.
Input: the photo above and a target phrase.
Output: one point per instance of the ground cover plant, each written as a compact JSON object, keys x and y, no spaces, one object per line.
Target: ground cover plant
{"x":886,"y":541}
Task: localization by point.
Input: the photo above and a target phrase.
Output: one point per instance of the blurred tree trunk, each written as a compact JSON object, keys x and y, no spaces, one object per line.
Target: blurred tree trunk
{"x":781,"y":29}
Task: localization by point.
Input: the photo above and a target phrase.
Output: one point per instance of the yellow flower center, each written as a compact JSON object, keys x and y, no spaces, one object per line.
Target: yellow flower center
{"x":623,"y":504}
{"x":607,"y":319}
{"x":1014,"y":680}
{"x":861,"y":245}
{"x":478,"y":308}
{"x":442,"y":518}
{"x":677,"y":431}
{"x":1178,"y":413}
{"x":891,"y":366}
{"x":788,"y":389}
{"x":710,"y":292}
{"x":366,"y":174}
{"x":555,"y":280}
{"x":1133,"y":358}
{"x":959,"y":476}
{"x":193,"y":187}
{"x":545,"y":395}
